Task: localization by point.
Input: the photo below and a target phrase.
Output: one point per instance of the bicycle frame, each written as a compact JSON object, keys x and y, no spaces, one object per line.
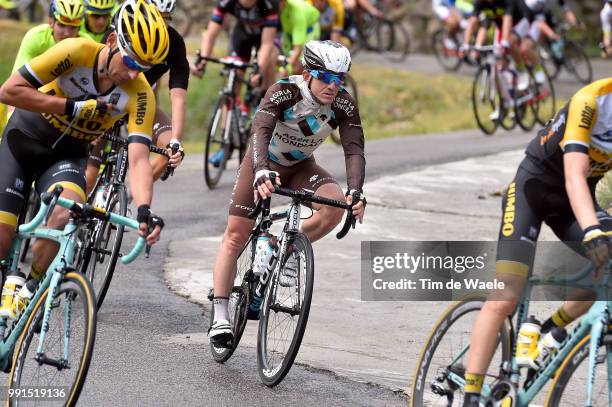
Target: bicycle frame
{"x":61,"y":263}
{"x":594,"y":322}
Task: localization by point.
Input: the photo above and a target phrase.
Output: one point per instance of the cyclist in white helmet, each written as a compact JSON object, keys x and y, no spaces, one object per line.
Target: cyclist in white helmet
{"x":295,"y":117}
{"x":606,"y":28}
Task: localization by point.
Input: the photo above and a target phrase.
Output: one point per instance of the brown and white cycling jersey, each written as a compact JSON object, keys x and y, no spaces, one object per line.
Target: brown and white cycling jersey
{"x":290,"y":124}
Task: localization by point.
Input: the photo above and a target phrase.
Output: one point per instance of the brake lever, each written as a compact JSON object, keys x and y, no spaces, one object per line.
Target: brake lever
{"x":169,"y":171}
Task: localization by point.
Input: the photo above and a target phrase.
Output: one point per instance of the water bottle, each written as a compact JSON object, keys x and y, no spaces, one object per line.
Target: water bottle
{"x":244,"y":117}
{"x":263,"y":251}
{"x":100,"y":197}
{"x":550,"y":343}
{"x":527,"y":342}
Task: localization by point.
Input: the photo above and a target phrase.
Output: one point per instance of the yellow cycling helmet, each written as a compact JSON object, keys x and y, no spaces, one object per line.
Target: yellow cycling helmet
{"x":141,"y":30}
{"x":99,"y":6}
{"x":67,"y":12}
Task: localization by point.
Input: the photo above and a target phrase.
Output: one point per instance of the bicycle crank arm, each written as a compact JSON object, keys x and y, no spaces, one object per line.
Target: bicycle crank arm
{"x":59,"y":364}
{"x":291,"y":311}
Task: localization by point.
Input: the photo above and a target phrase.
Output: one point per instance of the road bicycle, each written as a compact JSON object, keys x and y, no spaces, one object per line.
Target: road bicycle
{"x":229,"y":126}
{"x":497,"y":101}
{"x":283,"y":310}
{"x":99,"y":243}
{"x":378,"y":34}
{"x":566,"y":53}
{"x":51,"y":344}
{"x":446,"y":49}
{"x":579,"y":370}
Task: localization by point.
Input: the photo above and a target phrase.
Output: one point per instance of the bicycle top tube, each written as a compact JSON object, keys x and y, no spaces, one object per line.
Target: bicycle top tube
{"x":123,"y":142}
{"x":86,"y":211}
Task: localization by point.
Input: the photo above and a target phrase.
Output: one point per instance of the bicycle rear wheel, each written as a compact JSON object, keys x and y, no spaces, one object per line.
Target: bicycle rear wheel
{"x":438,"y":379}
{"x":547,"y":102}
{"x":238,"y":301}
{"x":218,"y":145}
{"x":99,"y":264}
{"x":526,"y":108}
{"x":401,"y":43}
{"x":68,"y":345}
{"x":284,"y":316}
{"x":577,"y":62}
{"x":448,"y":58}
{"x":569,"y":384}
{"x":485,"y":100}
{"x":549,"y":61}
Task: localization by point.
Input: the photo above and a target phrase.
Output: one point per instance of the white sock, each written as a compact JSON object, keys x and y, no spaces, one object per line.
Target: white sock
{"x":221,"y":308}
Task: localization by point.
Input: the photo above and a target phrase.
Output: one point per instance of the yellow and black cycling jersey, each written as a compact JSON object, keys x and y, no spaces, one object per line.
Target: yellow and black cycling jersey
{"x":583,"y":125}
{"x":69,"y":69}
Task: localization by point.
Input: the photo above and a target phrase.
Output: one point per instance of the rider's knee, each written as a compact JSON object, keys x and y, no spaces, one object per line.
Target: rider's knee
{"x":235,"y":237}
{"x":332,"y":215}
{"x":6,"y":239}
{"x":59,"y":218}
{"x":500,"y":308}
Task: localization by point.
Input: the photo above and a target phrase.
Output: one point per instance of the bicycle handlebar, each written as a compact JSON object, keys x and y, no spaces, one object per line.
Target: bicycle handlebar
{"x":304,"y":195}
{"x":48,"y":201}
{"x":229,"y":63}
{"x":120,"y":140}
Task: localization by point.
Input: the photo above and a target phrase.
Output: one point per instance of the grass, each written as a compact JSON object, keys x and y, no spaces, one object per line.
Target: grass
{"x":392,"y":102}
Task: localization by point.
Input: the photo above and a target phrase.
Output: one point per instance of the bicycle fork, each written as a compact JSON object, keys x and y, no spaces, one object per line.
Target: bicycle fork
{"x":40,"y":357}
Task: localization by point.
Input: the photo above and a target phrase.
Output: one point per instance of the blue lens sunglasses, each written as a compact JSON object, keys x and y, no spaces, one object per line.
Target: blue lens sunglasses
{"x":328,"y":77}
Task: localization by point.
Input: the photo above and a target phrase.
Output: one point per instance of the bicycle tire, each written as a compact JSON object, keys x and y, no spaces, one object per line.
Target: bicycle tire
{"x":549,"y":62}
{"x":526,"y":112}
{"x":547,"y":101}
{"x":451,"y":315}
{"x":507,"y":113}
{"x":448,"y":62}
{"x":568,"y":370}
{"x":212,"y":173}
{"x":401,"y":43}
{"x":269,"y":373}
{"x":33,"y":205}
{"x":117,"y":203}
{"x":574,"y":54}
{"x":490,"y":98}
{"x":77,"y":285}
{"x":239,"y":301}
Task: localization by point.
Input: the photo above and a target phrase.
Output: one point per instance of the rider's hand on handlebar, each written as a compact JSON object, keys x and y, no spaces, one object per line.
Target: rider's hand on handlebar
{"x":263,"y":186}
{"x":359,"y":208}
{"x":87,"y":109}
{"x":146,"y":218}
{"x":198,"y":69}
{"x":175,"y":159}
{"x":597,"y":248}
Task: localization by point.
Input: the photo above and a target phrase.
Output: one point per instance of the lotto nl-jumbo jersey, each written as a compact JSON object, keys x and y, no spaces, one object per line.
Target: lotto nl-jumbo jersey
{"x":583,"y":125}
{"x":69,"y":69}
{"x":289,"y":126}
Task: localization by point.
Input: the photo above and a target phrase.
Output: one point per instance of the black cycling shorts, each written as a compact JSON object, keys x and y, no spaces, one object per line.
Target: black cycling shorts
{"x":242,"y":42}
{"x":25,"y":159}
{"x":527,"y":203}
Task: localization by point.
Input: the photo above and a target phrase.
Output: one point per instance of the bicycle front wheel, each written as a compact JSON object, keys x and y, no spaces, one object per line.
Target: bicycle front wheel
{"x":68,"y":345}
{"x":447,"y":57}
{"x":217,"y":148}
{"x":570,"y":383}
{"x":527,"y":104}
{"x":486,"y":101}
{"x":238,"y":301}
{"x":577,"y":62}
{"x":440,"y":373}
{"x":547,"y":102}
{"x":284,"y":315}
{"x":401,"y":43}
{"x":100,"y":265}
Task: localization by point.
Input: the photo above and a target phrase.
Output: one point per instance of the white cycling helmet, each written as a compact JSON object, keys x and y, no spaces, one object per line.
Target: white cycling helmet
{"x":165,"y":6}
{"x":327,"y":56}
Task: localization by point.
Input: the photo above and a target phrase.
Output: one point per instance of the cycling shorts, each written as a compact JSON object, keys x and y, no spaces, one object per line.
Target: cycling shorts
{"x":527,"y":203}
{"x":242,"y":42}
{"x":25,"y":159}
{"x":526,"y":29}
{"x":307,"y":174}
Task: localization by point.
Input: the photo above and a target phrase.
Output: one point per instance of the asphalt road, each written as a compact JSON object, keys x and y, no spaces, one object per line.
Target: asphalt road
{"x":144,"y":352}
